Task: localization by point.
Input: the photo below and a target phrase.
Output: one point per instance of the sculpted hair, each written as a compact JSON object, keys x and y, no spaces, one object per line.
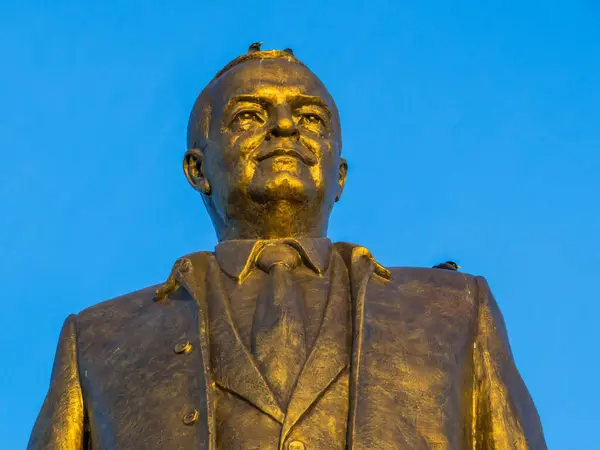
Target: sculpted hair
{"x":199,"y":122}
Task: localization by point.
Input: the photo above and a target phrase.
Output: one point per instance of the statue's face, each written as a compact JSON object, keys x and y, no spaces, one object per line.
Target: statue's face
{"x":274,"y":136}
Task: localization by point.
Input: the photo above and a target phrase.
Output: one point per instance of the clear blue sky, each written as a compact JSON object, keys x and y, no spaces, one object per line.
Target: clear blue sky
{"x":472,"y":132}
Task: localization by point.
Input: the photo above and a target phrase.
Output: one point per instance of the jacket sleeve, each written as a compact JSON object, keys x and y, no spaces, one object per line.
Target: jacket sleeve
{"x":504,"y":416}
{"x":60,"y":423}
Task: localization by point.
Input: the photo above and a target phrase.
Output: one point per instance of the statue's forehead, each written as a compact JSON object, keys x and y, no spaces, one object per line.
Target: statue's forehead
{"x":268,"y":78}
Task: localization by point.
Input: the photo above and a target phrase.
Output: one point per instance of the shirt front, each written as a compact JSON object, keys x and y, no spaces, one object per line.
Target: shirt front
{"x":244,"y":282}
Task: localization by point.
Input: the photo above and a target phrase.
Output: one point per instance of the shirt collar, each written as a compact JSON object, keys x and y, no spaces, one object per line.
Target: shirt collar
{"x":237,"y":257}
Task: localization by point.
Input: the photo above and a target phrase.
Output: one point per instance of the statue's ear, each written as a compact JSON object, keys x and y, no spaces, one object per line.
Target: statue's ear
{"x":194,"y":170}
{"x":342,"y":172}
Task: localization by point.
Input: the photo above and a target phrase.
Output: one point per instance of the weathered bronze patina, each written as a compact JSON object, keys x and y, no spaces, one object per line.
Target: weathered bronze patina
{"x":280,"y":339}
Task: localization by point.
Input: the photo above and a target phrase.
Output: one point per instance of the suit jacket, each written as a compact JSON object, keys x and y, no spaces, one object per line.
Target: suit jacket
{"x":430,"y":367}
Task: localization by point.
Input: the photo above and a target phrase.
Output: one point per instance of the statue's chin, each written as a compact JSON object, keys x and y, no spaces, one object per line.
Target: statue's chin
{"x":281,"y":186}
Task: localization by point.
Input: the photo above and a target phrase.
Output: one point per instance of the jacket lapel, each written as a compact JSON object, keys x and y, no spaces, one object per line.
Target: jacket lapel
{"x":362,"y":267}
{"x":361,"y":270}
{"x":234,"y":368}
{"x":329,"y":356}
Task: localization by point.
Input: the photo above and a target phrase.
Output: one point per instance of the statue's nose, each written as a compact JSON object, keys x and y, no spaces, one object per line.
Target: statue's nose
{"x":283,"y":126}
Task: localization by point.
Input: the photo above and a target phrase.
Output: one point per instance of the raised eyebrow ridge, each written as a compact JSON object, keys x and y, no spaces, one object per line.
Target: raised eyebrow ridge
{"x":245,"y":99}
{"x":319,"y":105}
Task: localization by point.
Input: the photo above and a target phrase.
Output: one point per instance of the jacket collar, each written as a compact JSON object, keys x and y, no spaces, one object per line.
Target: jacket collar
{"x":237,"y":257}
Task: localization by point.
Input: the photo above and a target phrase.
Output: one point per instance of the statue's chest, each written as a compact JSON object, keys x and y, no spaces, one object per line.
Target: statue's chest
{"x":415,"y":358}
{"x":143,"y":383}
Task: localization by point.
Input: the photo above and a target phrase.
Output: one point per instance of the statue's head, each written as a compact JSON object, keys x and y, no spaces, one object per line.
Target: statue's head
{"x":264,"y":145}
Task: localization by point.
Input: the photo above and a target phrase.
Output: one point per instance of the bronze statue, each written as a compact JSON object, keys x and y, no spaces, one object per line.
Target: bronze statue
{"x":280,"y":339}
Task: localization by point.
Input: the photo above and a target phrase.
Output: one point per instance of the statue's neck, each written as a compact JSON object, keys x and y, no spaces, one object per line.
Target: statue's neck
{"x":280,"y":220}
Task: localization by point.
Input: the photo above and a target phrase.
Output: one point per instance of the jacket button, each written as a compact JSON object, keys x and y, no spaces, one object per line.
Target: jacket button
{"x":183,"y":347}
{"x":191,"y":417}
{"x":296,"y":445}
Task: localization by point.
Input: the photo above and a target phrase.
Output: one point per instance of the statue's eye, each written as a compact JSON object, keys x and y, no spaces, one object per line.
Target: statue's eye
{"x":247,"y":120}
{"x":310,"y":119}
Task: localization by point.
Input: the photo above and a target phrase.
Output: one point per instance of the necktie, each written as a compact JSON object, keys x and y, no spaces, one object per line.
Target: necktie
{"x":278,"y":337}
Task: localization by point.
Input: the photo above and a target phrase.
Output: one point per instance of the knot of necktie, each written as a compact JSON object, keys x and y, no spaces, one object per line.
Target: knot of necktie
{"x":278,"y":254}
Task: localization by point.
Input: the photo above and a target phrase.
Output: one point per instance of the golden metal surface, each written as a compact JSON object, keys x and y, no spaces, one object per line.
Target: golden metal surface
{"x":296,"y":445}
{"x":401,"y":358}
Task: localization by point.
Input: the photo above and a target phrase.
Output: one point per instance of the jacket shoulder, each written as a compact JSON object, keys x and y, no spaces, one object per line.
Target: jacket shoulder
{"x":137,"y":309}
{"x":437,"y":286}
{"x":126,"y":304}
{"x":140,"y":307}
{"x":449,"y":279}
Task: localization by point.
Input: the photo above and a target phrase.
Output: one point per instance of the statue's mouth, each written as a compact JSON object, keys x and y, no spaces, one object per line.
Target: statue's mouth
{"x":303,"y":155}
